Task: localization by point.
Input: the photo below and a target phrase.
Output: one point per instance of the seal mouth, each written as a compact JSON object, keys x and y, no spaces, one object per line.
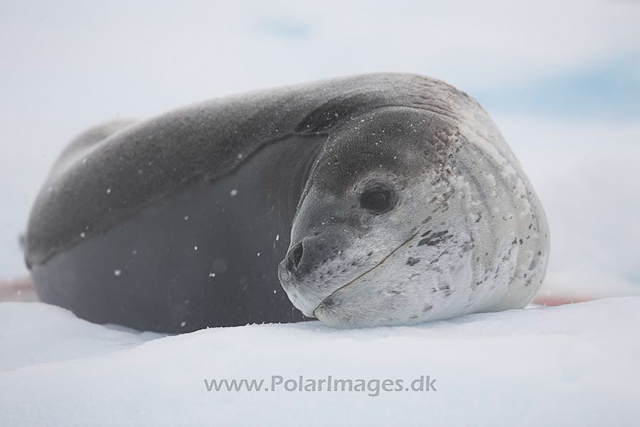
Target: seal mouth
{"x":327,"y":300}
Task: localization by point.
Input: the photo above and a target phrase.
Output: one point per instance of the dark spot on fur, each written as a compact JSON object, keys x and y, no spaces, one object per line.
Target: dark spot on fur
{"x":427,"y":307}
{"x":426,"y":233}
{"x":446,"y":289}
{"x":438,"y":259}
{"x":435,"y":238}
{"x":412,"y":261}
{"x":328,"y":301}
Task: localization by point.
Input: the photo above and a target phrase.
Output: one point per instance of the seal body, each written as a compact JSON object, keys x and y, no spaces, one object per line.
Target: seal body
{"x":386,"y":199}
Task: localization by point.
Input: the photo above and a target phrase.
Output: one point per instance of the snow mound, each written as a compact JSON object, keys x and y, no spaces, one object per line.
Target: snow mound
{"x":568,"y":365}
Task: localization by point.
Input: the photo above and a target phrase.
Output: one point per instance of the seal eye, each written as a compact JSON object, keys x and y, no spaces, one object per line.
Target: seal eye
{"x":377,"y":199}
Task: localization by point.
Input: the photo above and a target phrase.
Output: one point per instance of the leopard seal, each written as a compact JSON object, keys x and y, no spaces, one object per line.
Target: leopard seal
{"x":380,"y":199}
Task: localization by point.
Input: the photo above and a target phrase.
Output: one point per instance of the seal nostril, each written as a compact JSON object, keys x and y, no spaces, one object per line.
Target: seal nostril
{"x":295,"y":255}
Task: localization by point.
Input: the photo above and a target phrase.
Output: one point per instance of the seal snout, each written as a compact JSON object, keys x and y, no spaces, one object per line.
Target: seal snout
{"x":306,"y":256}
{"x":312,"y":269}
{"x":294,"y":256}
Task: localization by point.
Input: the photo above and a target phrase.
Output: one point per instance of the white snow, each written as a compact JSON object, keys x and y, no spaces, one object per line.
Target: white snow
{"x":575,"y":365}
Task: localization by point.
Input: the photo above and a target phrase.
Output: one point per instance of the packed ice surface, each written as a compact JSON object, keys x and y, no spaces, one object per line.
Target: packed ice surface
{"x":571,"y":365}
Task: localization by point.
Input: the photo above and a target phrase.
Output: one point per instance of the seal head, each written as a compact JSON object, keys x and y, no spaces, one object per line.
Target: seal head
{"x":412,"y":215}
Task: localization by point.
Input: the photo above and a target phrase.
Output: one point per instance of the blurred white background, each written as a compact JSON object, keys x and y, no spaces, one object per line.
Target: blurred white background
{"x":561,"y":79}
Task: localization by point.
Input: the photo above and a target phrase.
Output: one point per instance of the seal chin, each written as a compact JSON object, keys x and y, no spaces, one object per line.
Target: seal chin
{"x":334,"y":305}
{"x":345,"y":308}
{"x":327,"y":307}
{"x":310,"y":299}
{"x":328,"y":315}
{"x":326,"y":312}
{"x":302,"y":299}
